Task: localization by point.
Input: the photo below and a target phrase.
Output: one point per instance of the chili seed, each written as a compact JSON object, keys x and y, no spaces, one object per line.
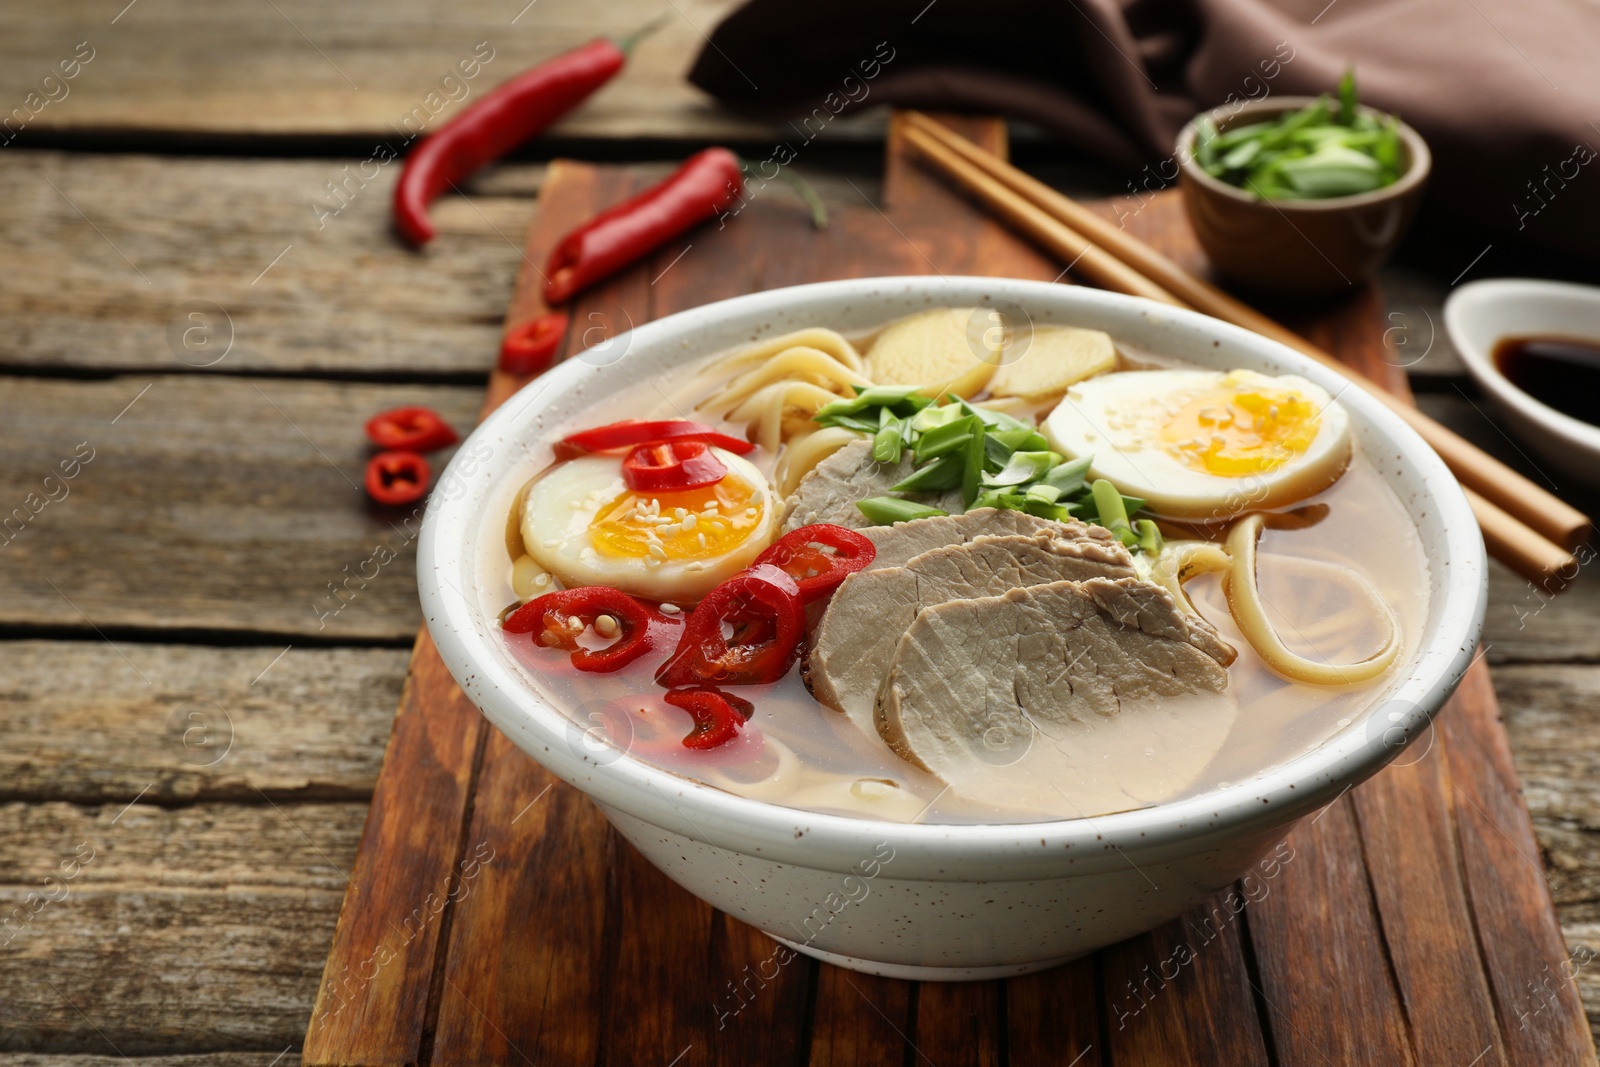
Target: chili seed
{"x":606,"y":626}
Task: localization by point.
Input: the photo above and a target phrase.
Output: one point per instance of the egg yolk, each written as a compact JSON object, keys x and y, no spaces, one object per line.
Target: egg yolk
{"x":1241,"y":428}
{"x":683,"y":524}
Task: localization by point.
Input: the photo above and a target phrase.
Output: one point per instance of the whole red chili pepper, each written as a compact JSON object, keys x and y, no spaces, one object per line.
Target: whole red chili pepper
{"x":506,"y":116}
{"x":708,"y":182}
{"x":528,"y":348}
{"x":397,"y":477}
{"x":414,"y":429}
{"x":717,"y":715}
{"x":819,"y":557}
{"x":747,"y":631}
{"x":560,"y":617}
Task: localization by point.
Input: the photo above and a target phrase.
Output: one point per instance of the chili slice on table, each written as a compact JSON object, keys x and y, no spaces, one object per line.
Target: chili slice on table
{"x":747,"y":631}
{"x":718,"y":716}
{"x":819,"y":557}
{"x":529,"y":348}
{"x":631,"y":432}
{"x":397,"y":477}
{"x":413,"y":429}
{"x":559,"y":619}
{"x":671,"y":465}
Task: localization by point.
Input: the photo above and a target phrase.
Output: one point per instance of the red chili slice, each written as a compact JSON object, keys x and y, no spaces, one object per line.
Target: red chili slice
{"x":718,"y":716}
{"x":560,"y":617}
{"x":819,"y":557}
{"x":529,"y":348}
{"x":631,"y":432}
{"x":397,"y":477}
{"x":747,"y":631}
{"x":414,"y":429}
{"x":671,"y":465}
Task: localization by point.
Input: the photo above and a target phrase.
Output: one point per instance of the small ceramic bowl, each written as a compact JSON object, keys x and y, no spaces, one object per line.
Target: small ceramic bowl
{"x":939,"y":901}
{"x":1481,"y":314}
{"x":1297,"y":247}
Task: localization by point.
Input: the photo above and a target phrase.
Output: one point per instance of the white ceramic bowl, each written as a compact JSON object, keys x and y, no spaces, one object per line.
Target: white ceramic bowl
{"x":929,"y":901}
{"x":1480,"y":314}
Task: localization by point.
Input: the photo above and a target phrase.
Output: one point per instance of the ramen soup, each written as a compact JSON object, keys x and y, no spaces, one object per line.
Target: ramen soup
{"x":951,"y":572}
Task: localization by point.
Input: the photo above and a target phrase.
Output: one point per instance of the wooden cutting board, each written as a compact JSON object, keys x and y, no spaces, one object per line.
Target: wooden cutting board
{"x":493,"y":917}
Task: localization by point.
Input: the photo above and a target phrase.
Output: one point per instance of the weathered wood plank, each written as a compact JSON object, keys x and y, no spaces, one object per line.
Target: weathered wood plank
{"x":206,"y":504}
{"x":1181,"y":994}
{"x":381,"y":969}
{"x":1054,"y":1017}
{"x":78,"y":723}
{"x":287,"y":846}
{"x":289,"y":1057}
{"x":178,"y":931}
{"x":1518,"y":934}
{"x":1314,"y":928}
{"x":107,"y":258}
{"x":304,"y":68}
{"x":860,"y":1018}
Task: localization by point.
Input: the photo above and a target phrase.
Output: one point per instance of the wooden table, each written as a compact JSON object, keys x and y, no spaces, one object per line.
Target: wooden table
{"x":192,"y":715}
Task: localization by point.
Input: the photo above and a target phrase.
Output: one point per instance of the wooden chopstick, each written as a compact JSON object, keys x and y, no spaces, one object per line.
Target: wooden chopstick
{"x":1536,"y":548}
{"x":1531,"y":503}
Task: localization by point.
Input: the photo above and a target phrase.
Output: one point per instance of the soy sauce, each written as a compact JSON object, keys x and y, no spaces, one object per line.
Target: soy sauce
{"x":1563,"y":372}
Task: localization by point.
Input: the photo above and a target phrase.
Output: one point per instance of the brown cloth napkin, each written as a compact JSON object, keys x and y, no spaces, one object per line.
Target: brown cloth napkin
{"x":1506,"y":92}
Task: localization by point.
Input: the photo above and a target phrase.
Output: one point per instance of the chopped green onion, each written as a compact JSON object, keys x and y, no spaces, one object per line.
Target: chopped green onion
{"x":1327,"y":149}
{"x":931,"y":418}
{"x":1044,"y":494}
{"x":943,"y":474}
{"x":888,"y":510}
{"x":1068,"y":477}
{"x":947,"y":438}
{"x":858,"y":423}
{"x":888,"y":442}
{"x":1023,"y":467}
{"x":878,"y":396}
{"x":1149,"y":536}
{"x":972,"y":469}
{"x":1108,"y":506}
{"x":1042,"y":510}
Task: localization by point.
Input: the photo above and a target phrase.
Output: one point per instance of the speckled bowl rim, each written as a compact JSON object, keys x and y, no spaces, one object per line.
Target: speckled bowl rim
{"x":1417,"y":173}
{"x":476,"y":656}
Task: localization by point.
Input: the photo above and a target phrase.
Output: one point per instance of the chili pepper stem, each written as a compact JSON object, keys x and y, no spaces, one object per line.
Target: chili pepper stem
{"x":819,"y":211}
{"x":625,"y":44}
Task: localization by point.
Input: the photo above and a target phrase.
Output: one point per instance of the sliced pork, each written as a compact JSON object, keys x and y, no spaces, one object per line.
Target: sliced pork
{"x":828,"y":493}
{"x":852,"y":647}
{"x":1076,"y":697}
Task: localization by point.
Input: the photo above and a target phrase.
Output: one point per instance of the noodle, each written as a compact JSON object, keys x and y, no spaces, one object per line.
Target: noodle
{"x":1182,"y":560}
{"x":778,"y":784}
{"x":799,"y":363}
{"x":770,"y":411}
{"x":816,"y":337}
{"x":1249,"y":611}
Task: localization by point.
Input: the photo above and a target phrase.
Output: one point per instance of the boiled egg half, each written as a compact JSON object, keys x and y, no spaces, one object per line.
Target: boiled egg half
{"x":582,"y":523}
{"x":1205,"y":444}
